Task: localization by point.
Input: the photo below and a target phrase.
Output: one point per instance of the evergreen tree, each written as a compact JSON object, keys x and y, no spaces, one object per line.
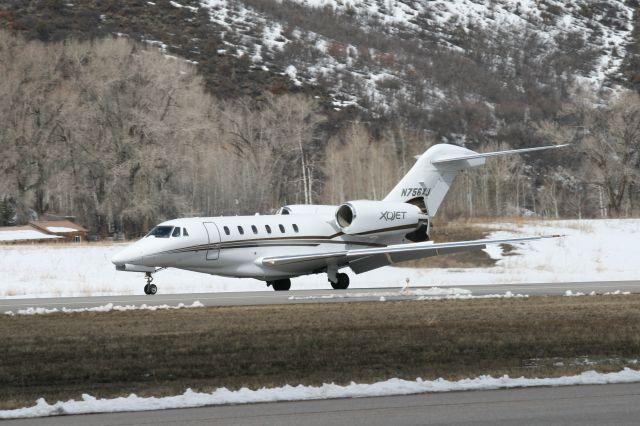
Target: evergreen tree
{"x":7,"y":212}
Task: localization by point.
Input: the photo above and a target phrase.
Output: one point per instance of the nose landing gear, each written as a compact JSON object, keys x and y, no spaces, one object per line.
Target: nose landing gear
{"x":149,"y":288}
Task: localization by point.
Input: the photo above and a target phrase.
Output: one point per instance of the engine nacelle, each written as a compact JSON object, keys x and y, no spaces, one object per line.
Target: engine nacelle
{"x":363,"y":216}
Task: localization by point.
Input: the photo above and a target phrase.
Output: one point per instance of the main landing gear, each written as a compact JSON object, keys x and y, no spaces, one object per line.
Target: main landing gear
{"x":342,"y":281}
{"x":280,"y":285}
{"x":149,"y":288}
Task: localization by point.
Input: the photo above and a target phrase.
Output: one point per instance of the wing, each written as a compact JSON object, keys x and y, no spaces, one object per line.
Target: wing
{"x":363,"y":260}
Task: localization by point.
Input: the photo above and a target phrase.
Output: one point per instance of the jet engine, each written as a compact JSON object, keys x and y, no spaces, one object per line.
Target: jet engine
{"x":364,"y":217}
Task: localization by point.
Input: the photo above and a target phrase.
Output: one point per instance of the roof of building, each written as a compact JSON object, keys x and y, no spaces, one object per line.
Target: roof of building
{"x":23,"y":233}
{"x":57,"y":226}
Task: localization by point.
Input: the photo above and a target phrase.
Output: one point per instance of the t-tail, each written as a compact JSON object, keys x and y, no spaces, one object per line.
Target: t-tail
{"x":429,"y":180}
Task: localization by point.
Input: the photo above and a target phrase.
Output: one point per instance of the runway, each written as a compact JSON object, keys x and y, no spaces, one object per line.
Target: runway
{"x":313,"y":296}
{"x":571,"y":405}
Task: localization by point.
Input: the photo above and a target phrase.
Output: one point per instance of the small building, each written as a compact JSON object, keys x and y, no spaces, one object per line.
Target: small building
{"x":40,"y":231}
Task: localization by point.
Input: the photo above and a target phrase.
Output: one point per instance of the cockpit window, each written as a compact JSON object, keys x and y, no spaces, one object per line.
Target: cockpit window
{"x":160,"y":232}
{"x":184,"y":232}
{"x":176,"y":232}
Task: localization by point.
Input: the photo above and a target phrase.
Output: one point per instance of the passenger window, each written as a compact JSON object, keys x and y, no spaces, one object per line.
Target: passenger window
{"x":184,"y":232}
{"x":240,"y":230}
{"x":295,"y":227}
{"x":268,"y":228}
{"x":226,"y":230}
{"x":281,"y":228}
{"x":176,"y":232}
{"x":254,"y":229}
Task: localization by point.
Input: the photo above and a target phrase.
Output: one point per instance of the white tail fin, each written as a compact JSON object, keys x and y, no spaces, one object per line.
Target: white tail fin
{"x":434,"y":172}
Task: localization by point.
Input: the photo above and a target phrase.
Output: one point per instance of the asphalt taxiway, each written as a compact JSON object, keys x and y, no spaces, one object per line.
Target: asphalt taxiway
{"x":270,"y":297}
{"x":617,"y":404}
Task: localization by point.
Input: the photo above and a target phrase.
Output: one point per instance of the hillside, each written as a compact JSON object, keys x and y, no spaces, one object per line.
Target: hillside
{"x":388,"y":57}
{"x":374,"y":83}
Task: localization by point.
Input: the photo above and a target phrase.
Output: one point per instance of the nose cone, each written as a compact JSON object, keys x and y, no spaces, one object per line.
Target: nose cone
{"x":131,"y":255}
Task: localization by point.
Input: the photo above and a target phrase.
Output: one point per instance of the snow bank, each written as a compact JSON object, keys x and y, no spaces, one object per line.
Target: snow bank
{"x":104,"y":308}
{"x":570,"y":293}
{"x":221,"y":396}
{"x":506,"y":295}
{"x":434,"y":293}
{"x":592,"y":250}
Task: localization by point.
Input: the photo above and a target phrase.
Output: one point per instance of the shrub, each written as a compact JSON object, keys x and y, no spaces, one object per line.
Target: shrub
{"x":43,"y":30}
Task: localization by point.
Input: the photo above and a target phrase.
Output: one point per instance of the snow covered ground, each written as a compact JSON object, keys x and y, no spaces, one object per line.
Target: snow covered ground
{"x":191,"y":399}
{"x":407,"y":293}
{"x":592,"y":250}
{"x":104,"y":308}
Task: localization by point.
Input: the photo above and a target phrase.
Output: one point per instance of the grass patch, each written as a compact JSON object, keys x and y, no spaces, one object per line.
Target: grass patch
{"x":61,"y":356}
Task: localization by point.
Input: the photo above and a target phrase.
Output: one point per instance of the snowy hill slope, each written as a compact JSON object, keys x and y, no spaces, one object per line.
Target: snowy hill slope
{"x":382,"y":54}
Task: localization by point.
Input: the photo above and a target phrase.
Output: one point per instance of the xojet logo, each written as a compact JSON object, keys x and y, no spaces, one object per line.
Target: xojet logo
{"x":391,"y":215}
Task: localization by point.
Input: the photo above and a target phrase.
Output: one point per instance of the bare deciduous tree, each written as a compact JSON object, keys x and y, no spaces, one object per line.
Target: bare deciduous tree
{"x":608,"y":136}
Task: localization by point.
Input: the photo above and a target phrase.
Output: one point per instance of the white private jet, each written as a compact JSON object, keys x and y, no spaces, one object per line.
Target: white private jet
{"x":310,"y":239}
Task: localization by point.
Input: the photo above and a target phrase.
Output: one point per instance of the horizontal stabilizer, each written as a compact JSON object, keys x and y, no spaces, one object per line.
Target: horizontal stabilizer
{"x":494,"y":154}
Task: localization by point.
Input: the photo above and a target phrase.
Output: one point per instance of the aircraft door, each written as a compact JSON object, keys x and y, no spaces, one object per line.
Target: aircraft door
{"x":213,"y":253}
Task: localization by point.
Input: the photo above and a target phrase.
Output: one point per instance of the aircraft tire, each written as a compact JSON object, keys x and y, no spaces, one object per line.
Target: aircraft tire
{"x":152,"y":289}
{"x":343,"y":282}
{"x":281,"y":285}
{"x":146,"y":289}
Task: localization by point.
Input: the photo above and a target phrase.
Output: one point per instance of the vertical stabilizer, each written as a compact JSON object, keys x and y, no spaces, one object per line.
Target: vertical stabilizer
{"x":432,"y":181}
{"x":433,"y":174}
